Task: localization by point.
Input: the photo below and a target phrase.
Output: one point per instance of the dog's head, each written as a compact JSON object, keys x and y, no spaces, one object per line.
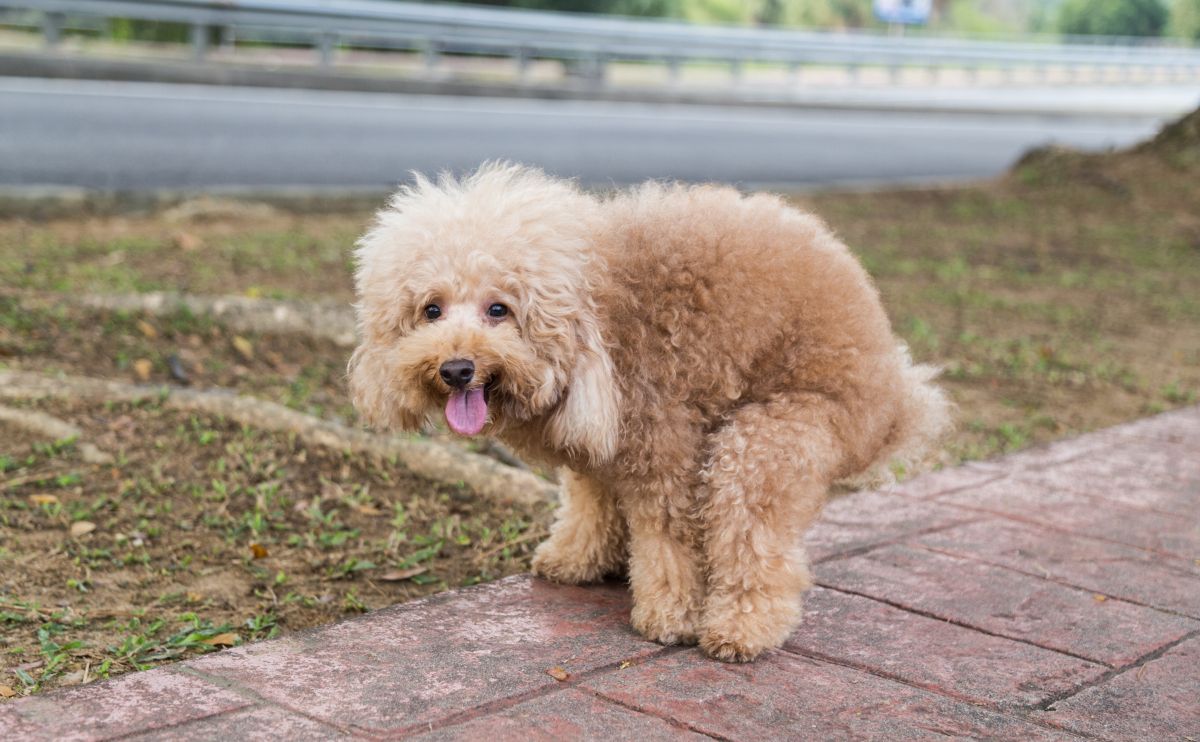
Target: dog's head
{"x":475,"y":301}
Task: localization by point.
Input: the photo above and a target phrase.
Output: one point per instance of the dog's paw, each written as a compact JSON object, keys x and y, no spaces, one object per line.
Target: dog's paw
{"x":727,"y":648}
{"x":664,"y":627}
{"x":565,"y":565}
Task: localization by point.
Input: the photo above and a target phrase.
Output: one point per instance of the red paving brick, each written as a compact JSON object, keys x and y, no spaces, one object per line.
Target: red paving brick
{"x":961,"y":604}
{"x":1157,"y":476}
{"x":1100,"y":566}
{"x":401,"y":668}
{"x":870,"y":518}
{"x":1178,"y":426}
{"x":1159,"y":700}
{"x":134,"y":703}
{"x":1063,"y":509}
{"x":945,"y":481}
{"x":934,"y":654}
{"x":567,"y":715}
{"x":261,"y":723}
{"x":1007,"y":603}
{"x":783,"y":696}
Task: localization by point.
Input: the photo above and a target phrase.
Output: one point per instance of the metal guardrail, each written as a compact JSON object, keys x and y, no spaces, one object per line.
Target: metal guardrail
{"x":590,"y":42}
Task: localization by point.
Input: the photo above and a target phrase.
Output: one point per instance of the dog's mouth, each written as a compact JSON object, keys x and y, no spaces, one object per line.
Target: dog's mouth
{"x":467,"y":409}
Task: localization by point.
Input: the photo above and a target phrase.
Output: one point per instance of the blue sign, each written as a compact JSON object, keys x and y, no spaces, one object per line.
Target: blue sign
{"x":911,"y":12}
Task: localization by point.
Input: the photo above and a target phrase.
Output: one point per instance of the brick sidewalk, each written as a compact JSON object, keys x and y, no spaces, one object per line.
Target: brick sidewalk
{"x":1054,"y":594}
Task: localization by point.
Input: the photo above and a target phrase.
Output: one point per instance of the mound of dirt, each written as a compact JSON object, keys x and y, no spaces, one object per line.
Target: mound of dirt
{"x":1179,"y":141}
{"x":1177,"y":145}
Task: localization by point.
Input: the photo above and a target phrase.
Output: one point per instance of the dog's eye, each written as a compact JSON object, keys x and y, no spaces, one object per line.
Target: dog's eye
{"x":497,"y":311}
{"x":432,"y":312}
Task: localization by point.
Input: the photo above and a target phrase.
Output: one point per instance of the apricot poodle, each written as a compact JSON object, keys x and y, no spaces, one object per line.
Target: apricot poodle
{"x":701,"y":363}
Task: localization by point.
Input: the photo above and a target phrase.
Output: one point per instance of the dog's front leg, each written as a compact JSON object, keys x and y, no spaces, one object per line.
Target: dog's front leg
{"x":664,"y":561}
{"x":588,"y":538}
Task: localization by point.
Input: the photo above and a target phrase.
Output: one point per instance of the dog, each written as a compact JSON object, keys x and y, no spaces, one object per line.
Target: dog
{"x":703,"y":365}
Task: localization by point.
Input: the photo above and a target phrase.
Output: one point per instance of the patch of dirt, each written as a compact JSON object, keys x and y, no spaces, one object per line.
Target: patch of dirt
{"x":178,"y":349}
{"x":203,"y":529}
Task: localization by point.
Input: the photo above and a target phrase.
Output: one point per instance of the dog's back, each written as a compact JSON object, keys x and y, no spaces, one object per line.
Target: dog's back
{"x":715,"y":300}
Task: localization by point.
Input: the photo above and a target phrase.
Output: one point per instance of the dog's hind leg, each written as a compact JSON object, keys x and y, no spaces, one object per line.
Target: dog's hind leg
{"x":588,"y":538}
{"x":766,"y":480}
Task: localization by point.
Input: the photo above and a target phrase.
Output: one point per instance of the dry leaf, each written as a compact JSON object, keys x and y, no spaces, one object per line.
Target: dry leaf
{"x":368,"y":510}
{"x":1099,"y":598}
{"x":82,"y":527}
{"x":228,"y":639}
{"x":142,"y":368}
{"x":259,"y":551}
{"x":558,"y":674}
{"x":43,"y":499}
{"x":244,"y":347}
{"x":72,"y":678}
{"x":403,"y":574}
{"x":147,"y":329}
{"x":195,"y":597}
{"x":7,"y":692}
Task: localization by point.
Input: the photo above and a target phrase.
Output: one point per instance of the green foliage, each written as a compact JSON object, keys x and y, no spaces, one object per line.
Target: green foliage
{"x":1113,"y":17}
{"x":1185,"y":20}
{"x":127,"y":29}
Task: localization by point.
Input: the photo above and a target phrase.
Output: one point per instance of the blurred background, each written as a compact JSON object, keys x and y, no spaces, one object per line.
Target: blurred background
{"x":182,"y":183}
{"x":139,"y":94}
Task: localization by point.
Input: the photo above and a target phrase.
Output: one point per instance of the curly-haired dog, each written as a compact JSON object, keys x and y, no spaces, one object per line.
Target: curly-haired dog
{"x":703,"y":364}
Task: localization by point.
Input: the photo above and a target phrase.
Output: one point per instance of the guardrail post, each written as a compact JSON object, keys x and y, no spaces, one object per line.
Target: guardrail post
{"x":793,"y":74}
{"x":199,"y":33}
{"x":52,"y":25}
{"x":522,"y":58}
{"x":599,"y":74}
{"x":326,"y":46}
{"x":431,"y":55}
{"x":674,"y":71}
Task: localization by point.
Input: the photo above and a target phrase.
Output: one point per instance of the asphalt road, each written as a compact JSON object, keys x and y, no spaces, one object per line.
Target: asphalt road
{"x":137,"y":136}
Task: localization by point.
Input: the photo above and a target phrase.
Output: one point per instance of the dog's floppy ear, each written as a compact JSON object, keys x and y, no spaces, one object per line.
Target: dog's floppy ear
{"x":380,"y":402}
{"x":587,"y":419}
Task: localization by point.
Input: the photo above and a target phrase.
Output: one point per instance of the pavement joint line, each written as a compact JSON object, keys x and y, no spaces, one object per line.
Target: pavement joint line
{"x":501,"y":704}
{"x":961,"y":624}
{"x":175,"y":725}
{"x":257,"y":698}
{"x":1187,"y":446}
{"x":1114,"y":672}
{"x":650,"y":712}
{"x":1057,"y":580}
{"x":898,"y":539}
{"x":1084,"y":492}
{"x":1015,"y":712}
{"x":1069,"y":532}
{"x":931,"y":496}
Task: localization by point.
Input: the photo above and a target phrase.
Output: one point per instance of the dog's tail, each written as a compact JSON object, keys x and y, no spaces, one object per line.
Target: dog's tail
{"x":924,"y":419}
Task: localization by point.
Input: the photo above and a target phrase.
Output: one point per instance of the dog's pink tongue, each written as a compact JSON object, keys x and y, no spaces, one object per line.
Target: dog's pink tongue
{"x":466,"y":411}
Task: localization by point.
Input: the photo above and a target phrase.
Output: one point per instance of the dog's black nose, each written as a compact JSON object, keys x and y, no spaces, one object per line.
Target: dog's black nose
{"x":457,"y":373}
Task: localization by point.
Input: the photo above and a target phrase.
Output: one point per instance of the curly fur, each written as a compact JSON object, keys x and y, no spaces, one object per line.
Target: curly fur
{"x":703,"y":363}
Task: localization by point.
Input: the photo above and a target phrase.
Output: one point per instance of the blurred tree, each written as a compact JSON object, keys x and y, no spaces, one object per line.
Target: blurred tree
{"x":815,"y":13}
{"x":651,"y":8}
{"x":128,"y":29}
{"x":1185,"y":20}
{"x":1113,"y":17}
